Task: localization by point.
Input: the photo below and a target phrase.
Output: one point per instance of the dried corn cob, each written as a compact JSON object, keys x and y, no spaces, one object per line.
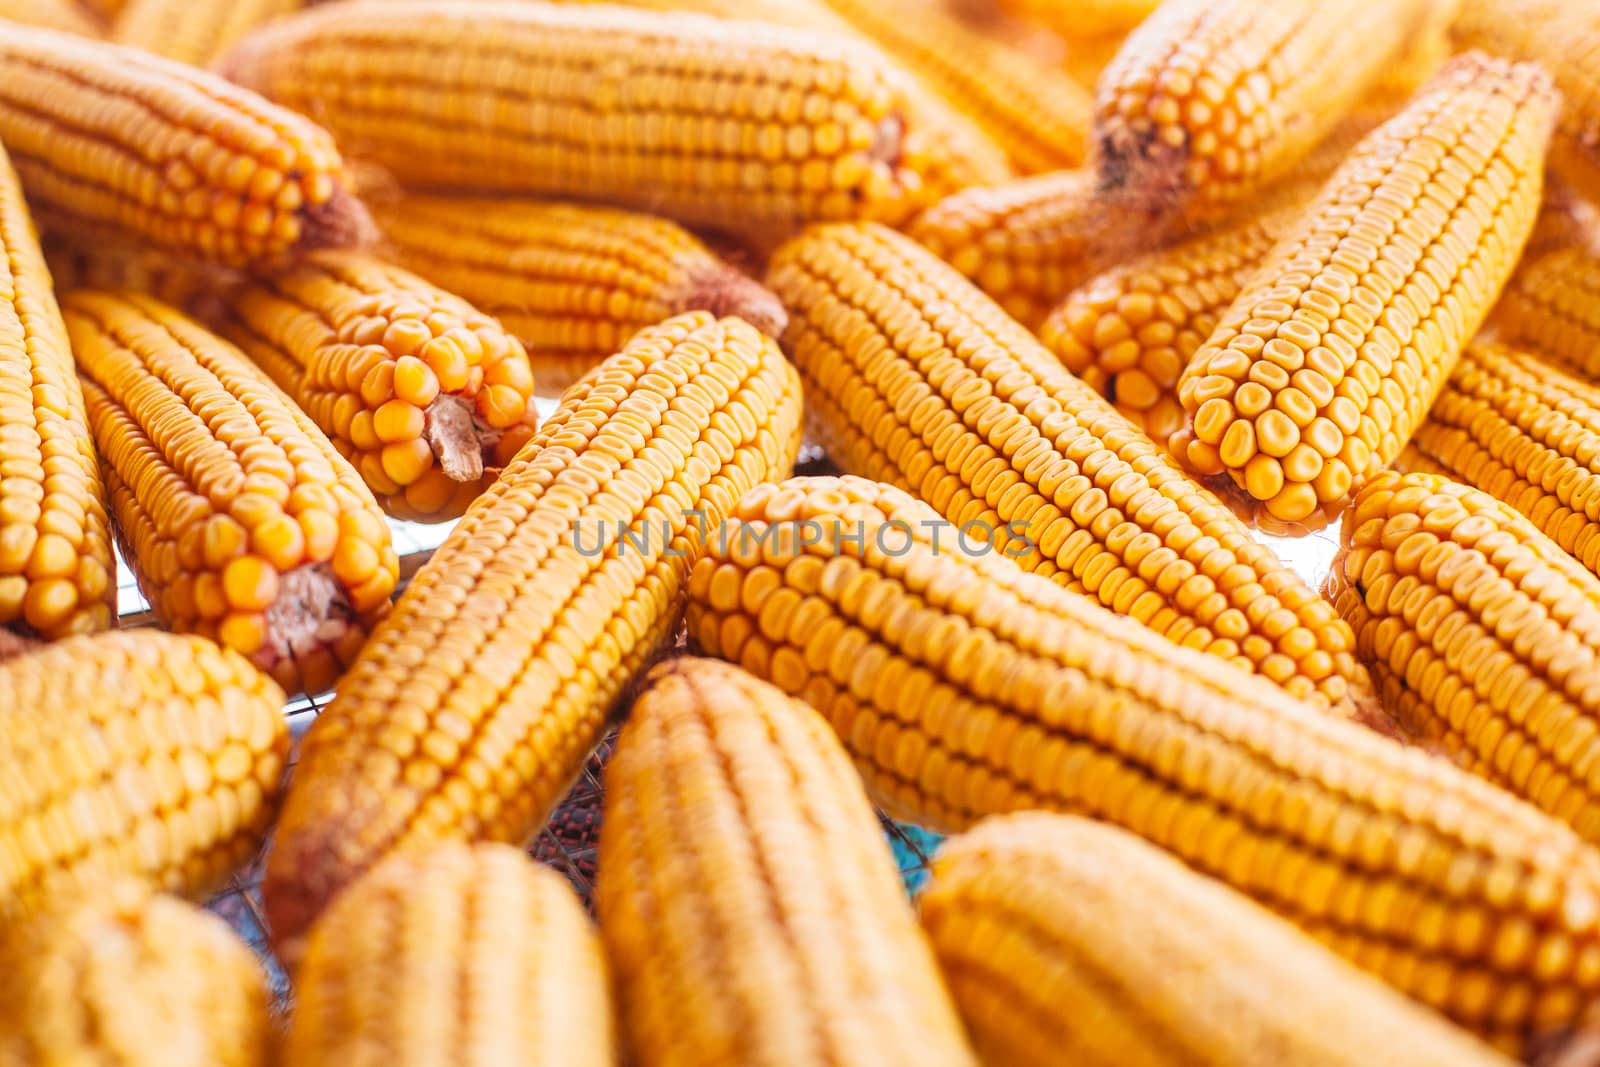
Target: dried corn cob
{"x":964,"y":687}
{"x":241,"y":521}
{"x":1209,"y":101}
{"x":573,"y":281}
{"x":914,"y":378}
{"x":473,"y":707}
{"x":124,"y":976}
{"x":112,"y":141}
{"x":1482,"y":635}
{"x":478,"y":957}
{"x":824,"y":967}
{"x":68,"y":16}
{"x":1130,"y":332}
{"x":1324,"y":366}
{"x":1524,"y":433}
{"x":766,"y":129}
{"x":424,"y":394}
{"x":55,"y":541}
{"x":194,"y":31}
{"x":139,"y":753}
{"x":1553,"y":306}
{"x":1032,"y":912}
{"x":1083,"y":18}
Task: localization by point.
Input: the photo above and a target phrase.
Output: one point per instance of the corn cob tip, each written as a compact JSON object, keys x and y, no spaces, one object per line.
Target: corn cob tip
{"x":725,"y":290}
{"x":341,"y":222}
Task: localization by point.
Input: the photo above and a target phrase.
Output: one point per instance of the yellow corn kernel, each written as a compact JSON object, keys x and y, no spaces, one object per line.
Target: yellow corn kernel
{"x":194,"y":31}
{"x":1552,"y":306}
{"x":1481,"y":633}
{"x":124,"y":976}
{"x":1032,"y":912}
{"x":914,"y":378}
{"x":469,"y":955}
{"x":68,"y":16}
{"x":964,"y":687}
{"x":473,"y":707}
{"x":135,"y":753}
{"x":825,"y":967}
{"x":112,"y":142}
{"x":214,"y":474}
{"x":1210,"y":101}
{"x":1129,"y":332}
{"x":752,"y":128}
{"x":573,"y":281}
{"x":1324,"y":366}
{"x":55,"y":540}
{"x":333,"y":331}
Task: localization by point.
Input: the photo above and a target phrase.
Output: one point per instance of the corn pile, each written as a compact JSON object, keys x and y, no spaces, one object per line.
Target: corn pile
{"x":1084,"y":308}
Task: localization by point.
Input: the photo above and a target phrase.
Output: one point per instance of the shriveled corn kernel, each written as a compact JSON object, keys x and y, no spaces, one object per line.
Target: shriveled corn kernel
{"x":333,"y":332}
{"x":477,"y":956}
{"x":915,"y":378}
{"x":1482,"y":635}
{"x":513,"y":642}
{"x":1032,"y":912}
{"x":1373,"y":293}
{"x":68,"y":16}
{"x":1552,"y":305}
{"x":825,"y":968}
{"x":111,"y":142}
{"x":965,"y":687}
{"x":194,"y":31}
{"x":205,"y":462}
{"x":573,"y":281}
{"x":55,"y":539}
{"x":124,"y":976}
{"x":134,"y":753}
{"x":686,"y":115}
{"x":1210,"y":101}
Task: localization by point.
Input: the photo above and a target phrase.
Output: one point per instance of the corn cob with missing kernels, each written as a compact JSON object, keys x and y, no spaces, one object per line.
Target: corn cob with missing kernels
{"x":1031,"y":912}
{"x":572,"y":281}
{"x":241,"y":521}
{"x":1552,"y":306}
{"x":1210,"y":101}
{"x":424,"y":394}
{"x":1482,"y":635}
{"x":194,"y":31}
{"x":1328,"y":361}
{"x":474,"y":956}
{"x":746,"y":127}
{"x":1526,"y":434}
{"x":114,"y":142}
{"x":915,"y":378}
{"x":136,"y":753}
{"x":55,"y":539}
{"x":68,"y":16}
{"x":964,"y":687}
{"x":472,"y":708}
{"x":122,"y":976}
{"x":786,"y":915}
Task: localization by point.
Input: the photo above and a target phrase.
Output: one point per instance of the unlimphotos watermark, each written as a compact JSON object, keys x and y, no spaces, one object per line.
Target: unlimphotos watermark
{"x":892,"y":538}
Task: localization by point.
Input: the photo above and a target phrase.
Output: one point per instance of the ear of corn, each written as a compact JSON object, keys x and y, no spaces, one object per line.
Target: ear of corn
{"x":241,"y":521}
{"x":1553,"y":306}
{"x":115,"y":142}
{"x":742,"y":126}
{"x":471,"y":710}
{"x":477,"y":956}
{"x":194,"y":31}
{"x":1161,"y":967}
{"x":55,"y":540}
{"x":124,"y":976}
{"x":136,"y":753}
{"x":572,"y":281}
{"x":1526,"y":434}
{"x":1324,"y":366}
{"x":825,"y":966}
{"x":1209,"y":101}
{"x":964,"y":687}
{"x":1482,"y":635}
{"x":424,"y":394}
{"x":914,"y":378}
{"x":68,"y":16}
